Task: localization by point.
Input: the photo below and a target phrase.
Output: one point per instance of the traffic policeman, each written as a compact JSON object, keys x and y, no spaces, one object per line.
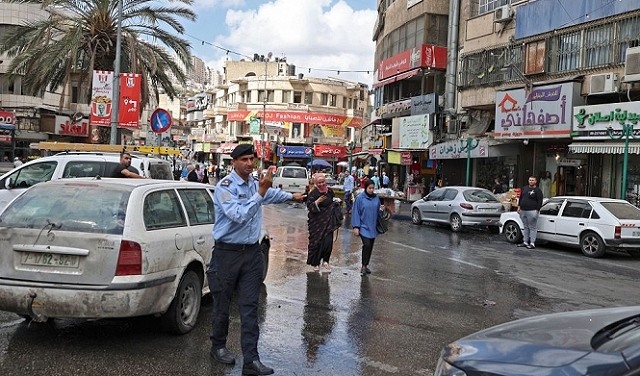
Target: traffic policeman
{"x":237,"y":258}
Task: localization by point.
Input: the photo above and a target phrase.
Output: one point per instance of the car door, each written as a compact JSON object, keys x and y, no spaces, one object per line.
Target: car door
{"x":198,"y":204}
{"x":429,"y":208}
{"x":445,"y":206}
{"x":572,"y":220}
{"x":547,"y":219}
{"x":24,"y":177}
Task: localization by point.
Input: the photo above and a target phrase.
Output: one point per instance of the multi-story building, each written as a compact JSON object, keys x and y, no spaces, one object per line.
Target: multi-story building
{"x":263,"y":101}
{"x":552,"y":89}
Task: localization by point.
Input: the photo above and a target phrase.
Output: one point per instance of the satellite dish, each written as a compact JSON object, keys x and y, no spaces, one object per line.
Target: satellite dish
{"x":77,"y":116}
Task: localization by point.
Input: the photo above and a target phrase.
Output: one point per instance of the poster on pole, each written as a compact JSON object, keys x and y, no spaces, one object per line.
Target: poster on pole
{"x":129,"y":105}
{"x":101,"y":98}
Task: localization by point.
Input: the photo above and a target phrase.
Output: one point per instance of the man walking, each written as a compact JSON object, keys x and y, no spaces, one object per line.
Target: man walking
{"x":348,"y":186}
{"x":529,"y":208}
{"x":237,"y":258}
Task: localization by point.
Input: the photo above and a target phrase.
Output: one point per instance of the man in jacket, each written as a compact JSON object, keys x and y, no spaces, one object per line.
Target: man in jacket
{"x":529,"y":209}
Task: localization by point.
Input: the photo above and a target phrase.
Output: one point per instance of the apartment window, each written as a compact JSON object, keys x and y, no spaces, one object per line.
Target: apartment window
{"x":412,"y":37}
{"x":485,"y":6}
{"x":297,"y":97}
{"x":286,"y":96}
{"x":324,"y":99}
{"x":270,"y":96}
{"x":598,"y":45}
{"x":568,"y":51}
{"x":629,"y":36}
{"x":349,"y":100}
{"x":395,"y":43}
{"x":438,"y":29}
{"x":332,"y":100}
{"x":75,"y":92}
{"x":262,"y":96}
{"x":308,"y":97}
{"x":344,"y":102}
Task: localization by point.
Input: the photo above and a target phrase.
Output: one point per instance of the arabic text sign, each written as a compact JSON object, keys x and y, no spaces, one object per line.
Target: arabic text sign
{"x":592,"y":122}
{"x":330,"y":151}
{"x":414,"y":132}
{"x":544,"y":112}
{"x":458,"y":149}
{"x":295,"y":151}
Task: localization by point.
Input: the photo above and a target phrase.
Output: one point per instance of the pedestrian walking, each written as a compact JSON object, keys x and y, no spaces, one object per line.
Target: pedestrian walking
{"x":385,"y":180}
{"x":348,"y":186}
{"x":497,"y":187}
{"x":376,"y":180}
{"x":529,"y":208}
{"x":320,"y":222}
{"x":236,"y":262}
{"x":123,"y":170}
{"x":366,"y":210}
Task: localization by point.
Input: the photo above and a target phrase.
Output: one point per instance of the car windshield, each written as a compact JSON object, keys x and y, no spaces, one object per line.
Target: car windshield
{"x":479,"y":195}
{"x":160,"y":171}
{"x":622,"y":210}
{"x":69,"y":207}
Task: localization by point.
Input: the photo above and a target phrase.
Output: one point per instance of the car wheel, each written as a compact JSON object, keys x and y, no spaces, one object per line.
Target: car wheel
{"x":456,"y":222}
{"x":512,"y":232}
{"x":591,"y":244}
{"x":182,"y":315}
{"x":415,"y":216}
{"x":264,"y":248}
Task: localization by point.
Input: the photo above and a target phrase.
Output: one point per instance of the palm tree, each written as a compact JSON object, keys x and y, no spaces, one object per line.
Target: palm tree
{"x":80,"y":36}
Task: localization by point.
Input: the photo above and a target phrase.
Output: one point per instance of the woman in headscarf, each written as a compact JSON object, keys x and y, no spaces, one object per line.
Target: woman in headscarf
{"x":321,"y":227}
{"x":364,"y":217}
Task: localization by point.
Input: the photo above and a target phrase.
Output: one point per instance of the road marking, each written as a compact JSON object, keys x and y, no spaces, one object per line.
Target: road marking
{"x":408,"y":246}
{"x":466,"y":263}
{"x":545,"y":285}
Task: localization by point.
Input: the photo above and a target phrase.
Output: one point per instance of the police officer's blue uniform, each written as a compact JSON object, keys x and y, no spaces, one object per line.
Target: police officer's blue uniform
{"x":237,"y":259}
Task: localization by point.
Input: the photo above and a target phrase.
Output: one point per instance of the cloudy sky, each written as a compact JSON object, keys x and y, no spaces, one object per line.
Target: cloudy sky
{"x":317,"y":34}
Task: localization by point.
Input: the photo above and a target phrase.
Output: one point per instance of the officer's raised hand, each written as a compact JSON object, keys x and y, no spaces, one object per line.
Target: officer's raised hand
{"x":266,"y":181}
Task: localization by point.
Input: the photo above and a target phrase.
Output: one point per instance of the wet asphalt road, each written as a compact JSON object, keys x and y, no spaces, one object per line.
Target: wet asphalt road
{"x":429,"y":286}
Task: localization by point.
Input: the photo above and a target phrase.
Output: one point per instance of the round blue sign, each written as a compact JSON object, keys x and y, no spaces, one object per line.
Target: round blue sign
{"x":160,"y":120}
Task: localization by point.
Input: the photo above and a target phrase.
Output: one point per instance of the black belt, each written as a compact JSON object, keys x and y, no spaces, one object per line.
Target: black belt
{"x":236,"y":247}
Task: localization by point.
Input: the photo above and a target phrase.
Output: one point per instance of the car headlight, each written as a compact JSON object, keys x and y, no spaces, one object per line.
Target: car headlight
{"x":445,"y":369}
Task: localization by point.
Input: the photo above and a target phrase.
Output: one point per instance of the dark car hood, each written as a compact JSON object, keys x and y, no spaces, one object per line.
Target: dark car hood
{"x":537,"y":341}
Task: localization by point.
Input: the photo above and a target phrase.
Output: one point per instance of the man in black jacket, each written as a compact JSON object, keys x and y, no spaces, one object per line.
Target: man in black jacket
{"x":529,"y":208}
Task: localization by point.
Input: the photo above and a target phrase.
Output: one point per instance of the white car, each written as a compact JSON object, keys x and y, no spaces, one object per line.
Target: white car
{"x":109,"y":248}
{"x":594,"y":224}
{"x":76,"y":165}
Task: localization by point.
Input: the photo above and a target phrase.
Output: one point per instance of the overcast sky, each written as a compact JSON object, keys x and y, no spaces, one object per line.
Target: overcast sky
{"x":316,"y":34}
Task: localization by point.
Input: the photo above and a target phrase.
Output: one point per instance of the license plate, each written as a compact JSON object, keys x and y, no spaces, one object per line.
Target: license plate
{"x":635,"y":233}
{"x":50,"y":259}
{"x":294,"y":185}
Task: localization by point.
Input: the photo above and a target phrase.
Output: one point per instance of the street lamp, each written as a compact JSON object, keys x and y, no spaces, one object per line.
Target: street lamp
{"x":627,"y":131}
{"x":264,"y":110}
{"x":468,"y":148}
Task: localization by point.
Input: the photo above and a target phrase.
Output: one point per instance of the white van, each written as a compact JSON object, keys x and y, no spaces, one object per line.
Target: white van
{"x":291,"y":178}
{"x":76,"y":165}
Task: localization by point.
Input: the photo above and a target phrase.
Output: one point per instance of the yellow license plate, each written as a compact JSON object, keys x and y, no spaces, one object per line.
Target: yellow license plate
{"x":50,"y":259}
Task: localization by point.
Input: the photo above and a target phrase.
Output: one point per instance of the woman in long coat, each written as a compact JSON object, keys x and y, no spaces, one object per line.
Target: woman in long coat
{"x":321,"y":227}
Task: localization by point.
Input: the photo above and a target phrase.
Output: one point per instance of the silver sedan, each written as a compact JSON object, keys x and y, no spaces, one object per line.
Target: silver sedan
{"x":459,"y":207}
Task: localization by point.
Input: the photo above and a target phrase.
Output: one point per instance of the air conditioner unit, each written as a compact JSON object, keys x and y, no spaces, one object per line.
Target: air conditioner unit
{"x":632,"y":65}
{"x":603,"y":83}
{"x":503,"y":14}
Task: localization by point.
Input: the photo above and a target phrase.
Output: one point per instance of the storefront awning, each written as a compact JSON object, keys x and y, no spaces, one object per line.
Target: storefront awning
{"x":603,"y":148}
{"x":397,"y":77}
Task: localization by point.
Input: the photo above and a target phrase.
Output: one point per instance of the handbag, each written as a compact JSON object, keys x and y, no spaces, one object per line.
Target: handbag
{"x":382,"y":225}
{"x":336,"y":216}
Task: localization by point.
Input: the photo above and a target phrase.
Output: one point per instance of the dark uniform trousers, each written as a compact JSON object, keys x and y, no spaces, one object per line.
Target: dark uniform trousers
{"x":232,"y":266}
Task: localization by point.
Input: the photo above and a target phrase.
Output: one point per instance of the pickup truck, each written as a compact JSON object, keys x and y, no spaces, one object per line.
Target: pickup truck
{"x":291,"y":178}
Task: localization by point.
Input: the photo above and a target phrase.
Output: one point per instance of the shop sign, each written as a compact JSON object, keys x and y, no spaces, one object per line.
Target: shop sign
{"x":5,"y":138}
{"x":399,"y":106}
{"x":543,"y":112}
{"x":295,"y":151}
{"x":459,"y":149}
{"x":424,"y":104}
{"x":426,"y":55}
{"x":226,"y":148}
{"x":414,"y":132}
{"x":297,"y":117}
{"x":263,"y":153}
{"x":405,"y":158}
{"x":330,"y":151}
{"x":593,"y":122}
{"x":66,"y":125}
{"x":375,"y":151}
{"x":6,"y":117}
{"x":568,"y":162}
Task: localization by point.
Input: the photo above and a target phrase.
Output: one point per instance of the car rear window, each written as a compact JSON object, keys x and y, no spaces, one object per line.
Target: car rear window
{"x":479,"y":195}
{"x":622,"y":210}
{"x":160,"y":171}
{"x":296,"y":173}
{"x":81,"y":208}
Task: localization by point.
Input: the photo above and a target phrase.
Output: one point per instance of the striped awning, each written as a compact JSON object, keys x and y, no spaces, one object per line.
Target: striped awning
{"x":603,"y":147}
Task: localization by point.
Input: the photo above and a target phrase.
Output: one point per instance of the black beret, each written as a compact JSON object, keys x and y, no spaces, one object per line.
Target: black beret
{"x":242,"y":149}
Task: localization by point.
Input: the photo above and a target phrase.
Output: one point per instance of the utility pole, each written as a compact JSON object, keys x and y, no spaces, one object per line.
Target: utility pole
{"x":115,"y":108}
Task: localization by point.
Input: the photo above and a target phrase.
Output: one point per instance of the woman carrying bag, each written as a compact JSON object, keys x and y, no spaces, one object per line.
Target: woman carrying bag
{"x":321,"y":224}
{"x":366,"y":210}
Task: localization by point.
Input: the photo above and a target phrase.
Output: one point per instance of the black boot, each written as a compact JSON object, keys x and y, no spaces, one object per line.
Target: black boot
{"x":256,"y":368}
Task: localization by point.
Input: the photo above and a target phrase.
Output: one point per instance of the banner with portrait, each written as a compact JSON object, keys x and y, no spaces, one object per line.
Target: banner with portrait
{"x":101,"y":98}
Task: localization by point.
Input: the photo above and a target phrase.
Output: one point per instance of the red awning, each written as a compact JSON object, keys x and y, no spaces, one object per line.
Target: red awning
{"x":397,"y":77}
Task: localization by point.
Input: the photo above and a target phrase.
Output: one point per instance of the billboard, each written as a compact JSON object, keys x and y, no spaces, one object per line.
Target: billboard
{"x":101,"y":98}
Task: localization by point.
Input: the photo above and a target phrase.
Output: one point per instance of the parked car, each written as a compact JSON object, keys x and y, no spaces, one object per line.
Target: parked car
{"x":595,"y":342}
{"x":594,"y":224}
{"x":76,"y":165}
{"x":458,"y":207}
{"x":109,"y":248}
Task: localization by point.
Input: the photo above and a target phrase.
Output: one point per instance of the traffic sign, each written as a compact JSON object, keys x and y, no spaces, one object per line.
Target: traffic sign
{"x":160,"y":120}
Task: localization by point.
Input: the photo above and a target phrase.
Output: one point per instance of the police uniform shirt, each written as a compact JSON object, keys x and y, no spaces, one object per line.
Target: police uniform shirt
{"x":238,"y":209}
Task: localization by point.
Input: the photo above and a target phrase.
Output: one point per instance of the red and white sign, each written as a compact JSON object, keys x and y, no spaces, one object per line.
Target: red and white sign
{"x":5,"y":138}
{"x":257,"y":144}
{"x":405,"y":158}
{"x":297,"y":117}
{"x":6,"y":117}
{"x":129,"y":109}
{"x":226,"y":148}
{"x":329,"y":151}
{"x":424,"y":56}
{"x":65,"y":125}
{"x":101,"y":98}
